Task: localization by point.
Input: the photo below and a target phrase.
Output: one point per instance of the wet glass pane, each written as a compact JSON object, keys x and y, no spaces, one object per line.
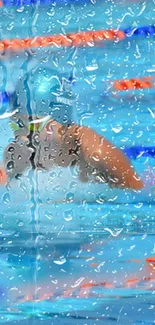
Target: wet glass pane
{"x":77,"y":171}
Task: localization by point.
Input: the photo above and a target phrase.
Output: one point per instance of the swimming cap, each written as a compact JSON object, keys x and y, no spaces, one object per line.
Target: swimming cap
{"x":43,"y":92}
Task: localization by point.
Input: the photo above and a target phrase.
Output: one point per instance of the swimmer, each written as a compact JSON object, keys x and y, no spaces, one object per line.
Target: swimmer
{"x":42,"y":142}
{"x":57,"y":145}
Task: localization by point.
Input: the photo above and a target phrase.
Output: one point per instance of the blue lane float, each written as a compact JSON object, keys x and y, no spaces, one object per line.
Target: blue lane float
{"x":140,"y":151}
{"x":19,"y":3}
{"x":140,"y":31}
{"x":145,"y":30}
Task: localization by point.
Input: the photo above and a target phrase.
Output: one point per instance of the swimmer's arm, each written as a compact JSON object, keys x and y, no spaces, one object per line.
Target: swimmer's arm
{"x":97,"y":152}
{"x":104,"y":156}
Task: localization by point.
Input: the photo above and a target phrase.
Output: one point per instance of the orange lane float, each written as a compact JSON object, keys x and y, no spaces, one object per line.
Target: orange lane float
{"x":150,"y":259}
{"x":68,"y":40}
{"x":134,"y":83}
{"x":151,"y":262}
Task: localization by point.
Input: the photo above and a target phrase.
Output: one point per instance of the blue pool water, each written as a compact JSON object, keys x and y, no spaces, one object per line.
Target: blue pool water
{"x":74,"y":253}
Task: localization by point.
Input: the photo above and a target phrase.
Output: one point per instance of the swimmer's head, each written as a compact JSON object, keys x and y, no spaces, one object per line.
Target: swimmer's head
{"x":43,"y":92}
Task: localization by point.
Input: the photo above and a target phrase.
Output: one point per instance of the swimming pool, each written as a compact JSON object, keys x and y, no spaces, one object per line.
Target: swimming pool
{"x":81,"y":253}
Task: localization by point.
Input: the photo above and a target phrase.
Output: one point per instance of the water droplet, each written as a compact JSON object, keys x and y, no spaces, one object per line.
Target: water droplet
{"x":73,"y":185}
{"x":10,"y":26}
{"x":20,"y":224}
{"x":10,"y":165}
{"x":131,"y":248}
{"x":70,"y":196}
{"x":139,"y":205}
{"x":92,"y":67}
{"x":20,"y":9}
{"x":48,"y":216}
{"x":51,"y":12}
{"x":117,"y":129}
{"x":95,"y":156}
{"x":114,"y":232}
{"x":53,"y":175}
{"x":68,"y":215}
{"x":11,"y":149}
{"x":6,"y":198}
{"x":61,"y":261}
